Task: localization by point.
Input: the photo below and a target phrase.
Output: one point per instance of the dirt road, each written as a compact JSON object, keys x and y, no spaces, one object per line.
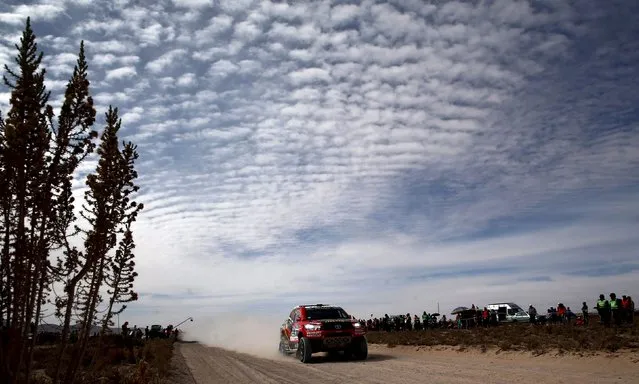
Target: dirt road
{"x":406,"y":365}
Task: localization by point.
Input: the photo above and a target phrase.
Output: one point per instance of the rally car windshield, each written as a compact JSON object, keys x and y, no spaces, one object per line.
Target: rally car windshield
{"x":326,"y":313}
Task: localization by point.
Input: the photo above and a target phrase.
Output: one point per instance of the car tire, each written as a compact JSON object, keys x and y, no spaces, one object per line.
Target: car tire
{"x":359,"y":349}
{"x":304,"y":350}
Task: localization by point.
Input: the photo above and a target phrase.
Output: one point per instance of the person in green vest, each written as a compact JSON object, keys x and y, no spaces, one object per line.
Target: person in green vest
{"x":615,"y":309}
{"x":425,"y":320}
{"x":603,"y":308}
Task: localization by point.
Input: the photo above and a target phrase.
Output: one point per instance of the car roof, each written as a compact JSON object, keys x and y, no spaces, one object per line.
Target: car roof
{"x":316,"y":306}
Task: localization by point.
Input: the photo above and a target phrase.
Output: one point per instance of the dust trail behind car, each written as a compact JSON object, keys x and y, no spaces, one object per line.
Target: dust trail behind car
{"x":240,"y":332}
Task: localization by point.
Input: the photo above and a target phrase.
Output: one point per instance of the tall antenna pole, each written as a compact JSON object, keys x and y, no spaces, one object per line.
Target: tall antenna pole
{"x":438,"y":307}
{"x":187,"y":319}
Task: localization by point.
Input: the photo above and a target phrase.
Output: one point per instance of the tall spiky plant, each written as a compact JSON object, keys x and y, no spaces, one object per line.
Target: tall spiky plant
{"x":25,"y":146}
{"x":108,"y":206}
{"x":73,"y":143}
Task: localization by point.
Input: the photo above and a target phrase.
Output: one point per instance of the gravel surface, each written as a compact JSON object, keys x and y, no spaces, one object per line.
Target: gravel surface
{"x":210,"y":365}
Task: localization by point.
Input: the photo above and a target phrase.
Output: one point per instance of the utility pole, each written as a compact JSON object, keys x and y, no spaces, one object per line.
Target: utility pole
{"x":438,"y":308}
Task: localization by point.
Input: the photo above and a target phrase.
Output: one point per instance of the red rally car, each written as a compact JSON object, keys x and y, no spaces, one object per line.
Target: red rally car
{"x":322,"y":328}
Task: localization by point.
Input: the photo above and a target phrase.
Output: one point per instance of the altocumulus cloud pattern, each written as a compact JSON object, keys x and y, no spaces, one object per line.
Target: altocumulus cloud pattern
{"x":382,"y":155}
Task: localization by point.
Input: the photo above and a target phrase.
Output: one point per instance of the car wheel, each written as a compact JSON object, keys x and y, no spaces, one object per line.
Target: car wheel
{"x":304,"y":350}
{"x":359,"y":349}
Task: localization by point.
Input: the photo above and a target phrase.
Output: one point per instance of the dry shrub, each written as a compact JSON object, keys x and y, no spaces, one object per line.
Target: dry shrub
{"x":505,"y":345}
{"x":158,"y":355}
{"x":117,"y":362}
{"x":534,"y":343}
{"x":116,"y":356}
{"x":537,"y":339}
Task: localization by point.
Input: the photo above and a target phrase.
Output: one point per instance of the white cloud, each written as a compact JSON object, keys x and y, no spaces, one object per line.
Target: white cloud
{"x":109,"y":59}
{"x":288,"y":33}
{"x":113,"y":46}
{"x":120,"y":73}
{"x":310,"y":75}
{"x":247,"y":31}
{"x":223,"y":68}
{"x":193,"y":3}
{"x":133,"y":116}
{"x":234,"y":7}
{"x":344,"y":13}
{"x":214,"y":27}
{"x":37,"y":12}
{"x":170,"y":58}
{"x":389,"y":149}
{"x":186,"y":80}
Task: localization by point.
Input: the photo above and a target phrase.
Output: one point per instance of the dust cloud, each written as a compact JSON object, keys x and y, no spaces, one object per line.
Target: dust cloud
{"x":245,"y":333}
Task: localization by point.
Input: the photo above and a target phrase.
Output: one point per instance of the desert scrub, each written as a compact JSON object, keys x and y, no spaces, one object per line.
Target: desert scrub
{"x":536,"y":339}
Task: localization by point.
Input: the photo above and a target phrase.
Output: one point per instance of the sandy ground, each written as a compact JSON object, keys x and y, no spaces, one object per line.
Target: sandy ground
{"x":209,"y":365}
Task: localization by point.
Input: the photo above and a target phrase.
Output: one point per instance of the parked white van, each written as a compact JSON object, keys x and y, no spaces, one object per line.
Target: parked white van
{"x":509,"y":312}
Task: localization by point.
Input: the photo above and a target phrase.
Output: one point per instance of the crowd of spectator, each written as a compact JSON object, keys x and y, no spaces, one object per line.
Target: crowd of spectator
{"x":155,"y":332}
{"x":617,"y":311}
{"x":407,"y":322}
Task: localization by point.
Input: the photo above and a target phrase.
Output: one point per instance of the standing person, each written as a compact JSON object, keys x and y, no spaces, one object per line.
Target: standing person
{"x":603,"y":308}
{"x":625,"y":307}
{"x":584,"y":313}
{"x":146,"y":333}
{"x":532,"y":312}
{"x":125,"y":329}
{"x":485,"y":316}
{"x":493,"y":317}
{"x":561,"y":312}
{"x":615,"y":309}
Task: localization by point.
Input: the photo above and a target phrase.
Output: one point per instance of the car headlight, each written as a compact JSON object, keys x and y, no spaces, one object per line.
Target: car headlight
{"x":312,"y":327}
{"x":357,"y":325}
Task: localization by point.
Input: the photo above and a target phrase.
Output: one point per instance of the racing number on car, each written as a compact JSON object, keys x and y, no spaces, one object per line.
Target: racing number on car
{"x":293,"y":336}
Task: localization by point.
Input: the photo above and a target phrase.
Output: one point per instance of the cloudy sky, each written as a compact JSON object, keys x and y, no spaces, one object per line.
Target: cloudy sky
{"x":385,"y":156}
